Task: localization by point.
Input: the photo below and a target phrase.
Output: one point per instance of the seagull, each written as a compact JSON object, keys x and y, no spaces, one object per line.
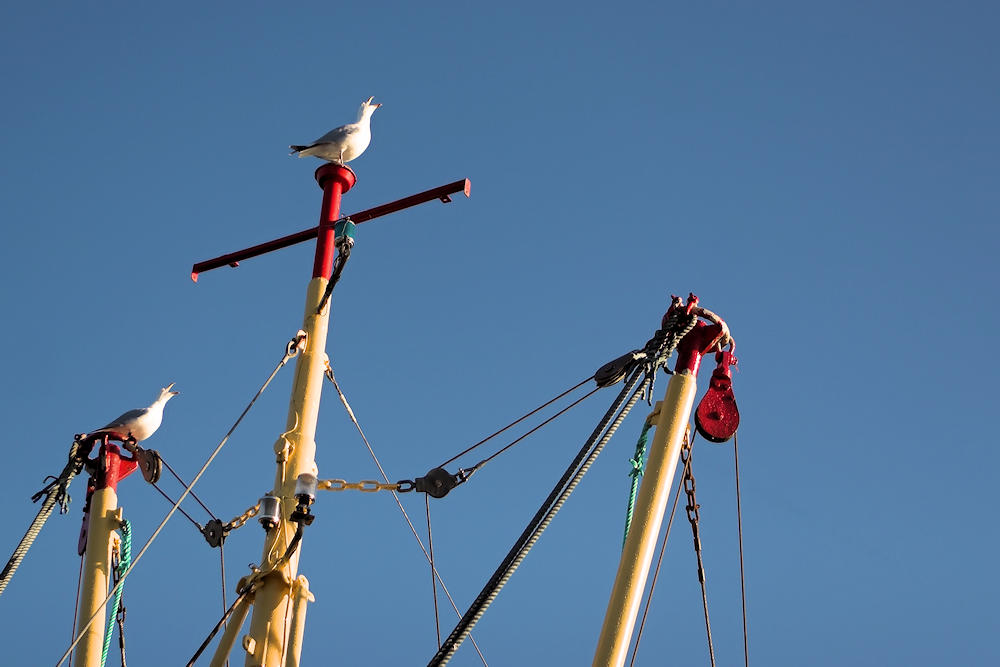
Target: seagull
{"x":141,"y":423}
{"x":344,"y":143}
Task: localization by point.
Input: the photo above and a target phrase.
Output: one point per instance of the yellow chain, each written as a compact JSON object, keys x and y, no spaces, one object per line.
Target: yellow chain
{"x":243,"y":518}
{"x":365,"y":485}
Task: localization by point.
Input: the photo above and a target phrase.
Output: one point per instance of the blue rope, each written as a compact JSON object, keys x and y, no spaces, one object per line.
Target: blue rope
{"x":123,"y":563}
{"x":638,"y":462}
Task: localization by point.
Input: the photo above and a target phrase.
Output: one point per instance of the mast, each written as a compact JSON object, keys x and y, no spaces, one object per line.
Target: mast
{"x":295,"y":450}
{"x":104,"y":518}
{"x":277,"y":593}
{"x":672,"y":416}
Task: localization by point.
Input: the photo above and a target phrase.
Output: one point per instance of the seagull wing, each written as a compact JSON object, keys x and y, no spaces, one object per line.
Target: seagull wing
{"x":126,"y":418}
{"x":338,"y":135}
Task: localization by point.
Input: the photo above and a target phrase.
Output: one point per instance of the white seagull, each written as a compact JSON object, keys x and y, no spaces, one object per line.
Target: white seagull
{"x":346,"y":142}
{"x":141,"y":423}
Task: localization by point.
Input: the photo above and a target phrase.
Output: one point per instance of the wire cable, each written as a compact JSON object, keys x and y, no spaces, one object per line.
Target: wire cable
{"x":183,"y":483}
{"x":430,"y":546}
{"x":291,"y":350}
{"x":739,"y":531}
{"x":518,"y":421}
{"x":536,"y":428}
{"x":395,"y":496}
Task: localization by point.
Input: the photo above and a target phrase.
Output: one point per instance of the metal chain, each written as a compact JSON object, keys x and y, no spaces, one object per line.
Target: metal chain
{"x":365,"y":485}
{"x":693,"y":517}
{"x":243,"y":518}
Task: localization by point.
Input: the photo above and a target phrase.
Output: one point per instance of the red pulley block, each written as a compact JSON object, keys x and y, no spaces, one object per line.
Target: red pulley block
{"x":717,"y":416}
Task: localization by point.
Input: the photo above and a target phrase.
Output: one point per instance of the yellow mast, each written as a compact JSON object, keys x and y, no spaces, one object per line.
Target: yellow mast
{"x":104,"y":519}
{"x":268,"y":642}
{"x":672,"y":417}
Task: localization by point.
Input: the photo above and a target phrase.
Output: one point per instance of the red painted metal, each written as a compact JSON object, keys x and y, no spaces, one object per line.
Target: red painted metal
{"x":335,"y":179}
{"x":694,"y":345}
{"x":717,"y":416}
{"x":115,"y":467}
{"x":443,"y":193}
{"x":108,"y":468}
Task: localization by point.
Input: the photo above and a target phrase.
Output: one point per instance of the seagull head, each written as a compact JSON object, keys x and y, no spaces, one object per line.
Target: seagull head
{"x":367,"y":108}
{"x":166,"y":394}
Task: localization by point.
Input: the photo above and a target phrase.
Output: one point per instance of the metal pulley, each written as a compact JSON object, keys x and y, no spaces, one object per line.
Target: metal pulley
{"x":717,"y":416}
{"x":615,"y":370}
{"x":215,"y":533}
{"x":437,"y":483}
{"x":150,"y":464}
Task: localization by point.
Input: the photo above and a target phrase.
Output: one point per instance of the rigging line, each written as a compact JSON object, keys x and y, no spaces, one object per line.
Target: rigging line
{"x":395,"y":496}
{"x":656,"y":572}
{"x":222,"y":558}
{"x":739,"y":531}
{"x":518,"y":421}
{"x":544,"y":423}
{"x":183,"y":483}
{"x":55,"y":492}
{"x":430,"y":545}
{"x":543,"y":517}
{"x":291,"y":350}
{"x":179,"y":509}
{"x":76,"y":604}
{"x":218,"y":626}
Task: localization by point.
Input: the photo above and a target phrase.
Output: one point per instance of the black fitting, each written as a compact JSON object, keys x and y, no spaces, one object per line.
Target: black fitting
{"x":302,"y":515}
{"x":437,"y":483}
{"x":215,"y":533}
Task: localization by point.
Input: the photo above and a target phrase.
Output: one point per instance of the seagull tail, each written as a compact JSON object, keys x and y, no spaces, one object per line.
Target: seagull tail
{"x":298,"y":149}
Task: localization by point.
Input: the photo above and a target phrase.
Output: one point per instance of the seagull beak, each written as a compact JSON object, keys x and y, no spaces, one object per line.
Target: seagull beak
{"x":370,"y":100}
{"x":169,"y":387}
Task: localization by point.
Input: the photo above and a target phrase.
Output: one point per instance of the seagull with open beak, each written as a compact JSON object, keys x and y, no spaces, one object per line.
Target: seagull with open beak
{"x":344,"y":143}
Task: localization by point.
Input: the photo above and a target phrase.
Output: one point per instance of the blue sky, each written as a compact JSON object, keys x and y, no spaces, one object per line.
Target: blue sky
{"x":822,"y":175}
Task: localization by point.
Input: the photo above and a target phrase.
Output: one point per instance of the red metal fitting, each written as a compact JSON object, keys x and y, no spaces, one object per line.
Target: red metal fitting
{"x":717,"y":416}
{"x":698,"y":342}
{"x":335,"y":179}
{"x":692,"y":302}
{"x":114,"y":468}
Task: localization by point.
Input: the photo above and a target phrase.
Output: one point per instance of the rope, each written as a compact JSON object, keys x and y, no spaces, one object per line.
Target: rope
{"x":291,"y":350}
{"x":739,"y":531}
{"x":395,"y":496}
{"x":55,"y":492}
{"x":656,"y":572}
{"x":126,"y":559}
{"x":638,"y":462}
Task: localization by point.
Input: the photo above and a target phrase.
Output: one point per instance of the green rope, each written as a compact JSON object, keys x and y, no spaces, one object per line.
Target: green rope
{"x":123,"y":563}
{"x":638,"y":462}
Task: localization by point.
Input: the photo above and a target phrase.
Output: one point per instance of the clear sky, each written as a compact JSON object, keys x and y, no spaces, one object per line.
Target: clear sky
{"x":823,"y":175}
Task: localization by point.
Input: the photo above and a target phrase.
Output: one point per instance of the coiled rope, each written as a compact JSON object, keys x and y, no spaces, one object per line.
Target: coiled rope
{"x":55,"y":492}
{"x":123,"y":563}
